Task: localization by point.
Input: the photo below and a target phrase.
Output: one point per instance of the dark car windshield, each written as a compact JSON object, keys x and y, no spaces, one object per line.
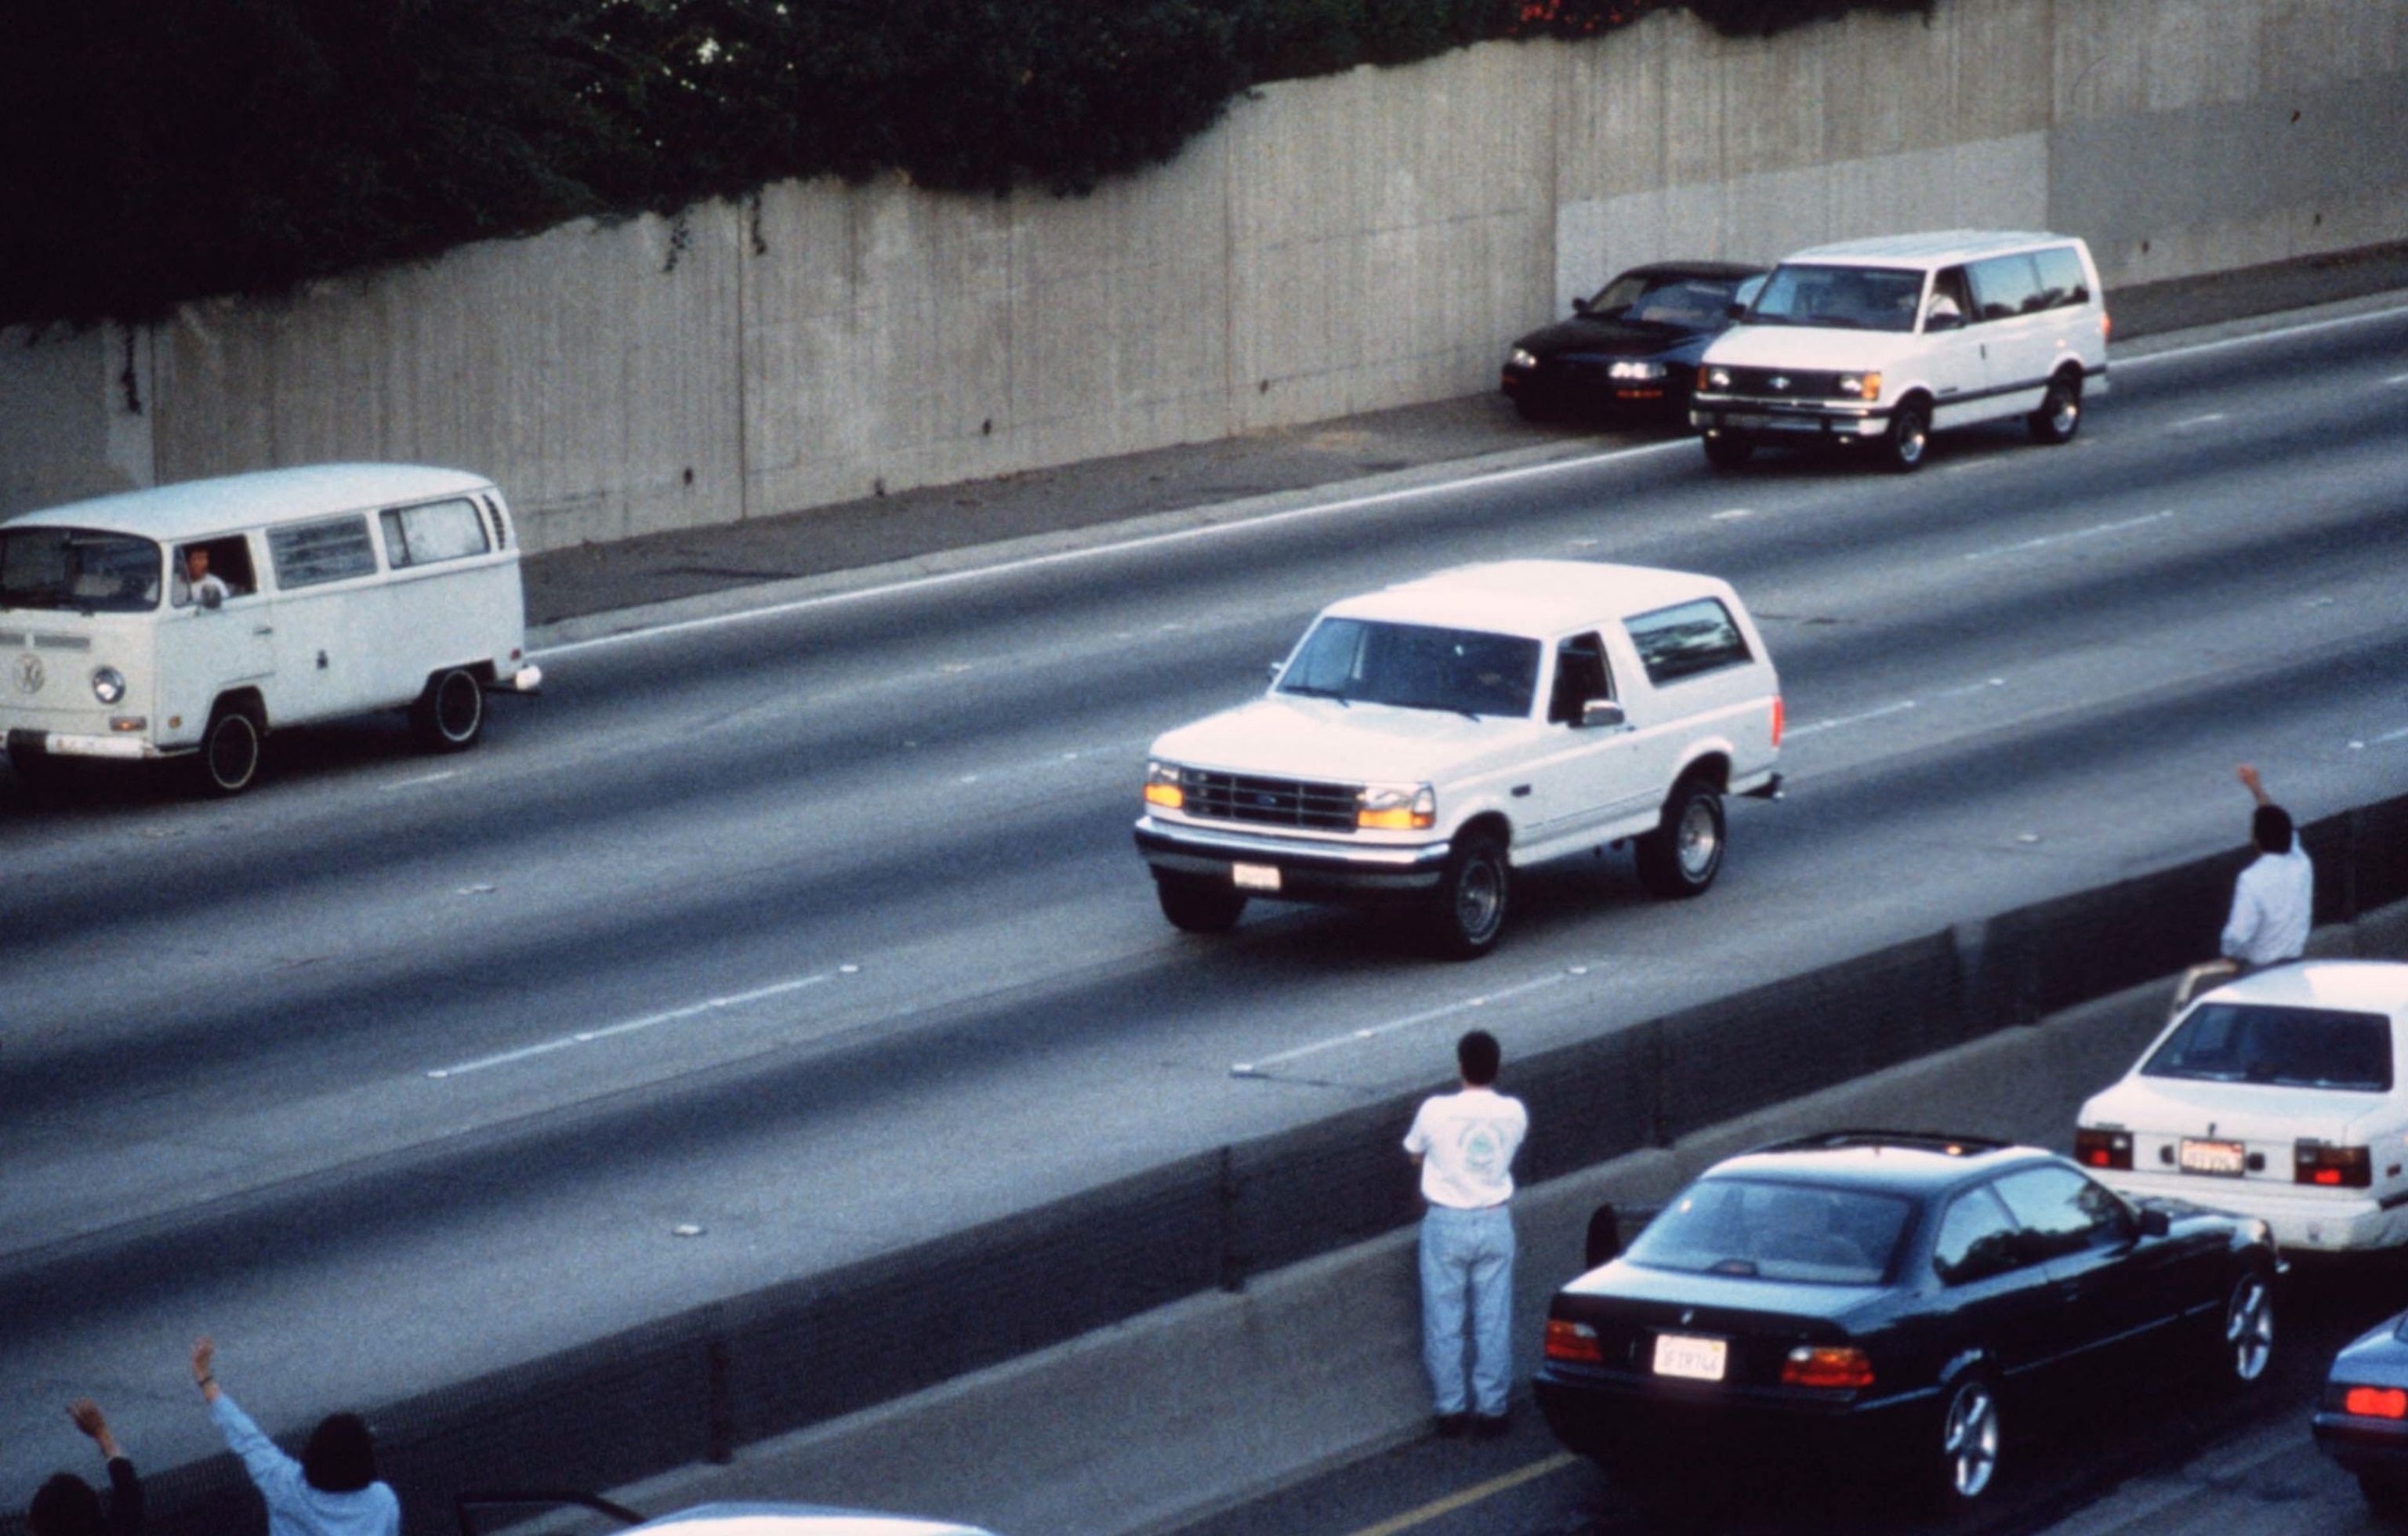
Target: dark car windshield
{"x":1415,"y":666}
{"x":79,"y":569}
{"x":1662,"y":299}
{"x":1849,"y":298}
{"x":1762,"y":1230}
{"x":2285,"y":1047}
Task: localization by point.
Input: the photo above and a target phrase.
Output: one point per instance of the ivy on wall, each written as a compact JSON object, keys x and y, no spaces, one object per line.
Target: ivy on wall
{"x":155,"y":151}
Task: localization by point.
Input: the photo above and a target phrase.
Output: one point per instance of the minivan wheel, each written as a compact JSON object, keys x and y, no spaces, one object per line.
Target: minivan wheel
{"x":1728,"y":449}
{"x":2248,"y":1334}
{"x":1910,"y":434}
{"x":1968,"y":1443}
{"x":1681,"y":858}
{"x":2059,"y":415}
{"x":1200,"y":908}
{"x":1469,"y":910}
{"x":450,"y":715}
{"x":229,"y":755}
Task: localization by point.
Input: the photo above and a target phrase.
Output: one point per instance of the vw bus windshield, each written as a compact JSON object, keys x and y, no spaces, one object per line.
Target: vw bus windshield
{"x":82,"y":570}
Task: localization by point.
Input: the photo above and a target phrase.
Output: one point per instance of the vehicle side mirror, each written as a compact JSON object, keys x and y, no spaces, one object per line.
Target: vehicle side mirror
{"x":1736,"y":311}
{"x":1604,"y":1238}
{"x":1601,"y":714}
{"x":210,"y":597}
{"x":1276,"y":668}
{"x":2154,"y":1221}
{"x":1580,"y":304}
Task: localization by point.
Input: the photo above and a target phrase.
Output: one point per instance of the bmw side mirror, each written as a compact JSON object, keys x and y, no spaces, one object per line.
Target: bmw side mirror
{"x":1604,"y":1238}
{"x":2155,"y":1222}
{"x":1601,"y":714}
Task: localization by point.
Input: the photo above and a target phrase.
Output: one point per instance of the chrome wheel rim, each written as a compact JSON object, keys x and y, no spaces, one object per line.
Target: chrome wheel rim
{"x":1700,"y":842}
{"x":1480,"y":899}
{"x":1969,"y":1439}
{"x":2249,"y":1328}
{"x":1910,"y":440}
{"x":2065,"y":410}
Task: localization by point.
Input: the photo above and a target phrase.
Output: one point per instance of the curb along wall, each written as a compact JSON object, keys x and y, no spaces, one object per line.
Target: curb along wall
{"x":695,"y":1388}
{"x":818,"y":343}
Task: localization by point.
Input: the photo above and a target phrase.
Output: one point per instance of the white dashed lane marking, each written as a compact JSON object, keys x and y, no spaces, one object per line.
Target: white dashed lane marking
{"x":2047,"y":540}
{"x":610,"y":1031}
{"x":1261,"y":1066}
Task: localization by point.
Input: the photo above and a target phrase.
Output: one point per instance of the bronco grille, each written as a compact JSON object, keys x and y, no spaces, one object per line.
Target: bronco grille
{"x":1271,"y":802}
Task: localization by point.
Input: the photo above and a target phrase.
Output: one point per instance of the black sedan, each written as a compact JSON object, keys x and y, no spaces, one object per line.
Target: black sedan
{"x":1631,"y":351}
{"x":1884,"y":1295}
{"x":2362,"y":1419}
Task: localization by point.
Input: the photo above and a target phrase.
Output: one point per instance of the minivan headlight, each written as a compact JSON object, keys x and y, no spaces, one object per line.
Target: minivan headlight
{"x":1396,"y":807}
{"x":109,"y":685}
{"x":1162,"y":786}
{"x":1860,"y":386}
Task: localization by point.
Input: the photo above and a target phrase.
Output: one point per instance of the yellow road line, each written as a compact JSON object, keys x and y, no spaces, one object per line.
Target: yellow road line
{"x":1469,"y":1496}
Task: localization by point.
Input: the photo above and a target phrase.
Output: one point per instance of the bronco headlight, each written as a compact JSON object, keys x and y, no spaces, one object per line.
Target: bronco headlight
{"x":109,"y":685}
{"x":1162,"y":786}
{"x":1636,"y":370}
{"x":1396,"y":807}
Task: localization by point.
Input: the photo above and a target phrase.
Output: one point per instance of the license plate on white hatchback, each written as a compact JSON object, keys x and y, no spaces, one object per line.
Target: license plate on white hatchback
{"x":2221,"y":1160}
{"x":1691,"y":1358}
{"x":1255,"y":876}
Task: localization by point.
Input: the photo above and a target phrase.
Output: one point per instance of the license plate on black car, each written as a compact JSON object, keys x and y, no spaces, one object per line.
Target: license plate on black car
{"x":1693,"y":1359}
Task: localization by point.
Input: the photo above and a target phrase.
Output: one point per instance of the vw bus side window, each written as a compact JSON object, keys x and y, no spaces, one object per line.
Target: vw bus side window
{"x":420,"y":536}
{"x":79,"y":570}
{"x":311,"y":553}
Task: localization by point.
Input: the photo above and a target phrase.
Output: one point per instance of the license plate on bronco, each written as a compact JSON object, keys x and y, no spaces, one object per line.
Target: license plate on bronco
{"x":1255,"y":876}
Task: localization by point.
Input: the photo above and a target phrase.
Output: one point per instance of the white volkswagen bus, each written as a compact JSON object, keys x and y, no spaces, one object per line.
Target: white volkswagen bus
{"x":191,"y":619}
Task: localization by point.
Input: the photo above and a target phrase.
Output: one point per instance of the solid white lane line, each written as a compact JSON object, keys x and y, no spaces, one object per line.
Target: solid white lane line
{"x":2400,"y":734}
{"x":1809,"y":729}
{"x":1355,"y":1037}
{"x":607,"y":1031}
{"x":1146,"y":541}
{"x":2047,"y":539}
{"x":2397,"y":379}
{"x":422,"y":778}
{"x":2190,"y":421}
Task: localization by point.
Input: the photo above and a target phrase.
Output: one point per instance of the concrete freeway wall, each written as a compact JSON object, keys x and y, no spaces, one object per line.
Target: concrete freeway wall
{"x":1334,"y":246}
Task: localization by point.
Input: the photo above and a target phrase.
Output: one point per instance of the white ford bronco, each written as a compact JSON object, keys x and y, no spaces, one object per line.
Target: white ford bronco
{"x":1422,"y":742}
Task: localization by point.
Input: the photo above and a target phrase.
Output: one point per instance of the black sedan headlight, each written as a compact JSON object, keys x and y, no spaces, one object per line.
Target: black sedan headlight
{"x":1521,"y":357}
{"x":1636,"y":372}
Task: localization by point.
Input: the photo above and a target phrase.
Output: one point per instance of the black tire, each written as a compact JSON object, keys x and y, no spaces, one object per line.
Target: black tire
{"x":1964,"y":1449}
{"x":1908,"y":439}
{"x":1680,"y":858}
{"x":1467,"y":911}
{"x":1200,"y":908}
{"x":450,"y":716}
{"x":2386,"y":1493}
{"x":2059,"y":415}
{"x":228,"y":760}
{"x":37,"y":770}
{"x":1728,"y":449}
{"x":1532,"y":411}
{"x":2246,"y":1337}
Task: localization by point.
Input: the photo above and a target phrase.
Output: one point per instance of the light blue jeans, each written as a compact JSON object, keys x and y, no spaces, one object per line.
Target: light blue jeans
{"x":1467,"y":1266}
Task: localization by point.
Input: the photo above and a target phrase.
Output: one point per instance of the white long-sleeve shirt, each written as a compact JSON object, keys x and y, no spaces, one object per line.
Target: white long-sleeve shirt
{"x":2273,"y":904}
{"x":293,"y":1507}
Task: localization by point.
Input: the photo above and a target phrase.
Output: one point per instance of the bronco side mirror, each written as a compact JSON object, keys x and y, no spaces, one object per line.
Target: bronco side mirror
{"x":1599,"y":714}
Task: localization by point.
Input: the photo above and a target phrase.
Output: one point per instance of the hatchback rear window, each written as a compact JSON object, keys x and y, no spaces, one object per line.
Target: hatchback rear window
{"x":1761,"y":1230}
{"x":2285,"y":1048}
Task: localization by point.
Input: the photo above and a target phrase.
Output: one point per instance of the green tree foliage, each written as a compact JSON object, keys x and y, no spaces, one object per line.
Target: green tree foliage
{"x":154,"y":151}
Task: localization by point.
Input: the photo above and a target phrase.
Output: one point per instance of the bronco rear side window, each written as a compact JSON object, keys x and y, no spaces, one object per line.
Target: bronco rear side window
{"x":1687,"y":640}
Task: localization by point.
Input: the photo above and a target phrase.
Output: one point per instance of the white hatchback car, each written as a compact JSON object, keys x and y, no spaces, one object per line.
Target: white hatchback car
{"x":2280,"y":1095}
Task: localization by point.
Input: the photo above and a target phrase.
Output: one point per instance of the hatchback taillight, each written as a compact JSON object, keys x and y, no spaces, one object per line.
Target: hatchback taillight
{"x":2102,"y":1148}
{"x":1575,"y":1341}
{"x":2333,"y":1167}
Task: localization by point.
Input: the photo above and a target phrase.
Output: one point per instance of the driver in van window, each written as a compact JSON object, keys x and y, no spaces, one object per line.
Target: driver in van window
{"x":194,"y":583}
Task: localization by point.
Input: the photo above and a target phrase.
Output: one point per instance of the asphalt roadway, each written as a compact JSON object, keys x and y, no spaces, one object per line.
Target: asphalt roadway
{"x":945,"y":525}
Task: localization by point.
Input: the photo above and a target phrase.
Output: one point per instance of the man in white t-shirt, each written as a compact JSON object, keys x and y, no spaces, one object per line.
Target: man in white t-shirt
{"x":2274,"y":901}
{"x":1465,"y":1143}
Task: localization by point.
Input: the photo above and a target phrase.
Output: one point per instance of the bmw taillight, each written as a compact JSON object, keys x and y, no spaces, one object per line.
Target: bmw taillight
{"x":2333,"y":1167}
{"x":1826,"y":1365}
{"x":2102,"y":1148}
{"x":1574,"y":1342}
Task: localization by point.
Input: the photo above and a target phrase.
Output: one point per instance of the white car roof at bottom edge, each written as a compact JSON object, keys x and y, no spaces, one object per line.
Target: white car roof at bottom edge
{"x":2356,"y":986}
{"x":1946,"y":247}
{"x":1540,"y":598}
{"x":749,"y":1519}
{"x":193,"y":508}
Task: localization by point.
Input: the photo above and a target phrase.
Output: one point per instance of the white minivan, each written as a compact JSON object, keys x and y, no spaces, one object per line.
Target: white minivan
{"x":188,"y":620}
{"x":1873,"y":345}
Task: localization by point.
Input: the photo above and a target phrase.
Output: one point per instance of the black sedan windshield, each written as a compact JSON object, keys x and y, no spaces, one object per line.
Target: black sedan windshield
{"x":1762,"y":1230}
{"x":1688,"y":302}
{"x":77,"y":569}
{"x":1415,"y":666}
{"x":2287,"y":1048}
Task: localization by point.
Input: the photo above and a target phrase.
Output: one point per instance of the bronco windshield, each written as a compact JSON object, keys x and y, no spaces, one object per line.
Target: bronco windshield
{"x":79,"y":569}
{"x":1846,"y":298}
{"x":1756,"y":1228}
{"x":1415,"y":666}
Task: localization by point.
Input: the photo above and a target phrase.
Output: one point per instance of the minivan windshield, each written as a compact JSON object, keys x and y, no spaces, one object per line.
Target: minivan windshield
{"x":1415,"y":666}
{"x":1764,"y":1230}
{"x":79,"y":569}
{"x":1848,"y":298}
{"x":2284,"y":1047}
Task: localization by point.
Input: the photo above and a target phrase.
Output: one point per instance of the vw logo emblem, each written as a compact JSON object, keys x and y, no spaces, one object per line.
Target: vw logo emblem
{"x":29,"y":674}
{"x":1781,"y":381}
